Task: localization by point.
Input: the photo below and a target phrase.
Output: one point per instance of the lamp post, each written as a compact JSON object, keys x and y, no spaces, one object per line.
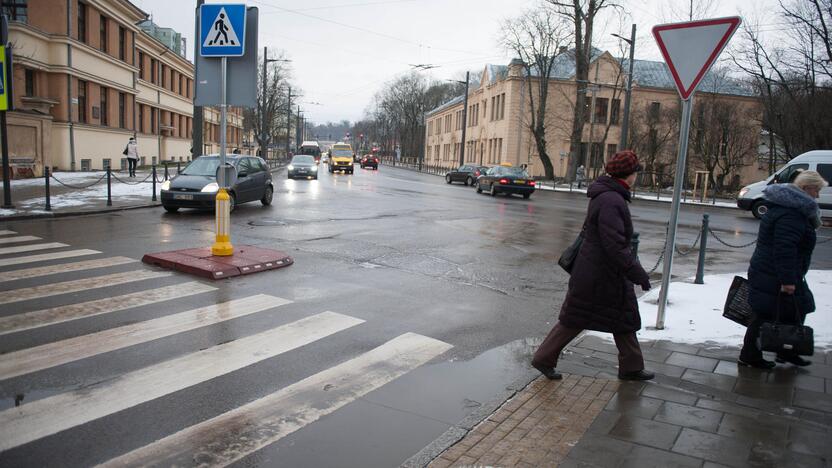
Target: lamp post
{"x":263,"y":134}
{"x":626,"y":120}
{"x":464,"y":117}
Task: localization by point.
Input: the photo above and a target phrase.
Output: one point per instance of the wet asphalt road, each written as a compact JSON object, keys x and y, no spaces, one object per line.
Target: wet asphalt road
{"x":404,"y":252}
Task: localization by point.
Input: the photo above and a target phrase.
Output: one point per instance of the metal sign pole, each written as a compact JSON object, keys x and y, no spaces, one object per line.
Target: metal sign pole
{"x":222,"y":245}
{"x":684,"y":131}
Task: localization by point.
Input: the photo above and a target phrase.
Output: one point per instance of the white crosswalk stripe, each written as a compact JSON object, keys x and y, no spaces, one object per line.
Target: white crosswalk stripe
{"x":31,"y":248}
{"x":64,"y":268}
{"x":6,"y":233}
{"x":47,"y":290}
{"x":16,"y":239}
{"x":4,"y":262}
{"x":239,"y":432}
{"x":51,"y":415}
{"x":61,"y":352}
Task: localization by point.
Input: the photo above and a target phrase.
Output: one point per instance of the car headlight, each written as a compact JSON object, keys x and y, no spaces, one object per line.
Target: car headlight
{"x":166,"y":185}
{"x":210,"y":188}
{"x":743,"y":191}
{"x":314,"y":168}
{"x":291,"y":167}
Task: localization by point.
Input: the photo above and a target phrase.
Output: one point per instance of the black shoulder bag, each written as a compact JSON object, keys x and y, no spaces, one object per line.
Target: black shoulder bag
{"x":567,"y":258}
{"x":778,"y":337}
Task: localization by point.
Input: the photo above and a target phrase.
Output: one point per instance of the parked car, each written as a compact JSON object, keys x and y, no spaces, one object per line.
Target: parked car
{"x":303,"y":165}
{"x":196,"y":186}
{"x":467,"y":174}
{"x":751,"y":196}
{"x":369,"y":161}
{"x":506,"y":180}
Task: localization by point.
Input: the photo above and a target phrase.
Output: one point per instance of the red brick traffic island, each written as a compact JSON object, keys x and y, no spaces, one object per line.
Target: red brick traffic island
{"x":247,"y":259}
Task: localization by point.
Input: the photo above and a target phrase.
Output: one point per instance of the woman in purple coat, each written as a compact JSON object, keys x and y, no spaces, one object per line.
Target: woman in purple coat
{"x":601,"y":295}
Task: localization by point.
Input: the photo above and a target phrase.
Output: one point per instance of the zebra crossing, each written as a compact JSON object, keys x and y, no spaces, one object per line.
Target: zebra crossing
{"x":219,"y":439}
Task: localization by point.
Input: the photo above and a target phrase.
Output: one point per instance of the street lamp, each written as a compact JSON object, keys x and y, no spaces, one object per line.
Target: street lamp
{"x":626,"y":121}
{"x":263,"y":134}
{"x":464,"y":117}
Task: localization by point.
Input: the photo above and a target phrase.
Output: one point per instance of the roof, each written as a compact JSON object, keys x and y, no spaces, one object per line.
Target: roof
{"x":448,"y":104}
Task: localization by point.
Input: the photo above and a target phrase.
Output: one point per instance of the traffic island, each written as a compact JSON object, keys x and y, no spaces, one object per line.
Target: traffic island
{"x":245,"y":260}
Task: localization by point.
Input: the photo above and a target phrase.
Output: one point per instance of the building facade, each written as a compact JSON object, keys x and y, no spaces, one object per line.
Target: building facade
{"x":87,"y":78}
{"x":500,"y":109}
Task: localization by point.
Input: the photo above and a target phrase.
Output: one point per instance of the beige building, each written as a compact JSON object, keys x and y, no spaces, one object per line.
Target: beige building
{"x":499,"y":112}
{"x":87,"y":78}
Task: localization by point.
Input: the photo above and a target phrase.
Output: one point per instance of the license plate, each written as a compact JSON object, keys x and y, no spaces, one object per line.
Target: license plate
{"x":183,"y":197}
{"x":519,"y":181}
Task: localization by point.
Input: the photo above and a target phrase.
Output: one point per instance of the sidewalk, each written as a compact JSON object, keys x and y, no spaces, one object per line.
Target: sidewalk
{"x":644,"y":195}
{"x":701,"y":410}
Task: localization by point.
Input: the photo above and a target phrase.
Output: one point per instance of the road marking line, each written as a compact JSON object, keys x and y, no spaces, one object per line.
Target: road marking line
{"x":229,"y":437}
{"x":51,"y":415}
{"x":44,"y":257}
{"x":6,"y":233}
{"x":31,"y":247}
{"x":12,"y":240}
{"x":54,"y":289}
{"x":61,"y":352}
{"x":51,"y":316}
{"x":64,"y":268}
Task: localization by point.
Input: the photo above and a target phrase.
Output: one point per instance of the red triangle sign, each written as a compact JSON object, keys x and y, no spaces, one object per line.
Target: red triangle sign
{"x":691,"y":48}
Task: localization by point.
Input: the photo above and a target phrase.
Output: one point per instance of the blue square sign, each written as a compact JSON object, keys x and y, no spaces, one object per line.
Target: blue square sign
{"x":222,"y":30}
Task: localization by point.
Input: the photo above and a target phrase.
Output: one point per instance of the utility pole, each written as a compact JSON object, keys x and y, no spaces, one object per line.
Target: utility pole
{"x":625,"y":122}
{"x":197,"y":136}
{"x":288,"y":121}
{"x":6,"y":104}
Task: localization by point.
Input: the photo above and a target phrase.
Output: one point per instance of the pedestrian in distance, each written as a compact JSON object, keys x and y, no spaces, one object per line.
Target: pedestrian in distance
{"x":601,"y":295}
{"x":781,"y":259}
{"x":580,"y":175}
{"x":132,"y":153}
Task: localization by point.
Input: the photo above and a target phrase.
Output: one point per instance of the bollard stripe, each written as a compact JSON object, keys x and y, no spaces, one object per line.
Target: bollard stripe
{"x":61,"y":352}
{"x":31,"y":248}
{"x":231,"y":436}
{"x":44,"y":257}
{"x":12,"y":240}
{"x":64,"y":268}
{"x":55,"y":315}
{"x":42,"y":418}
{"x":66,"y":287}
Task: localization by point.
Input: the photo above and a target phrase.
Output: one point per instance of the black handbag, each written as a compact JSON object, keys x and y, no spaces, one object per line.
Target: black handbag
{"x":737,"y":307}
{"x":778,"y":337}
{"x":567,"y":258}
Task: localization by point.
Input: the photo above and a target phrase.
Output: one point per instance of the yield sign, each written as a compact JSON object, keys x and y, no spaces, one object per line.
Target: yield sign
{"x":691,"y":48}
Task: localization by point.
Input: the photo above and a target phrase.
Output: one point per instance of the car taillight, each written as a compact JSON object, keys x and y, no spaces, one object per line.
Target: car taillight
{"x":503,"y":181}
{"x":531,"y":182}
{"x":477,"y":173}
{"x":375,"y":159}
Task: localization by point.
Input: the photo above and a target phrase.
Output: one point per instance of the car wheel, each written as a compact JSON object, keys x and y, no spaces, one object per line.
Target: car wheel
{"x":469,"y":181}
{"x":447,"y":178}
{"x":479,"y":189}
{"x":527,"y":195}
{"x":232,"y":202}
{"x":267,"y":196}
{"x":171,"y":209}
{"x":493,"y":191}
{"x":289,"y":176}
{"x":759,"y":209}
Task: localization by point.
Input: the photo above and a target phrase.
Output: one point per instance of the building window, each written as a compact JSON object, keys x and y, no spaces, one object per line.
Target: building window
{"x":153,"y":71}
{"x":172,"y":80}
{"x":611,"y":150}
{"x":122,"y":42}
{"x":601,"y":108}
{"x":86,"y":165}
{"x":82,"y":101}
{"x":654,"y":110}
{"x":105,"y":163}
{"x":82,"y":22}
{"x":105,"y":118}
{"x":141,"y":118}
{"x":153,"y":122}
{"x":183,"y":90}
{"x":614,"y":112}
{"x":15,"y":10}
{"x":102,"y":33}
{"x":122,"y":116}
{"x":29,"y":76}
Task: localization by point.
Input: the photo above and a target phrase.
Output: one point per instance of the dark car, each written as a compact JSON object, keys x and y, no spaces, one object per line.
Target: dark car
{"x":196,"y":186}
{"x":369,"y":161}
{"x":467,"y":173}
{"x":506,"y":180}
{"x":304,"y":166}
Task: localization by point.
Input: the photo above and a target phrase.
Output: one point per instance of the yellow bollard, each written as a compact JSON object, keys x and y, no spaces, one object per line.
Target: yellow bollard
{"x":222,"y":246}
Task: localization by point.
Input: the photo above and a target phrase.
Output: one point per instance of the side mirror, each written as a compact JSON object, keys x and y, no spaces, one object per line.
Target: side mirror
{"x":242,"y":174}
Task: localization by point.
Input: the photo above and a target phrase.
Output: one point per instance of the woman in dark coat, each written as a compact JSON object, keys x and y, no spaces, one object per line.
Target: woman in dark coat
{"x":780,"y":262}
{"x":601,"y":295}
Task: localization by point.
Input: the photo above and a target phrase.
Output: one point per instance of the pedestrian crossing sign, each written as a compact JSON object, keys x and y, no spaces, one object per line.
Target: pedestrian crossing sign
{"x":222,"y":30}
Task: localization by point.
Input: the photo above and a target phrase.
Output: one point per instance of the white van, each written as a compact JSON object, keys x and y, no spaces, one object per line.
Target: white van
{"x":751,"y":196}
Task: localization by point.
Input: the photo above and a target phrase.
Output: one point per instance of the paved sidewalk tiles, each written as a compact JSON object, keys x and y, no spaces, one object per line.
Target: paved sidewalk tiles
{"x":702,"y":410}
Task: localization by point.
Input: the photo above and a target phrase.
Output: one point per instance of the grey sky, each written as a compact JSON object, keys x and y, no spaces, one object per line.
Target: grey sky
{"x":343,"y":51}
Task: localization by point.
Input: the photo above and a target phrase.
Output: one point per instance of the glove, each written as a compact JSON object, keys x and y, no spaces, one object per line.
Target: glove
{"x":645,"y":285}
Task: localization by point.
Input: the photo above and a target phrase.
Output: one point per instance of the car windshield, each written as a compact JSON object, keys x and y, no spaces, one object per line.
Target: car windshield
{"x":203,"y":166}
{"x":313,"y":150}
{"x":341,"y":153}
{"x":301,"y":159}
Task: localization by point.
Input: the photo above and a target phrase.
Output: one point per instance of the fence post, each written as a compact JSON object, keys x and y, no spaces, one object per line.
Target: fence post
{"x":703,"y":244}
{"x":48,"y":206}
{"x":167,"y":176}
{"x":634,"y":244}
{"x":153,"y":170}
{"x":109,"y":189}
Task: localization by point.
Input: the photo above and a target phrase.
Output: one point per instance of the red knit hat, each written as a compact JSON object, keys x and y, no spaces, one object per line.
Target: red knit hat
{"x":622,"y":164}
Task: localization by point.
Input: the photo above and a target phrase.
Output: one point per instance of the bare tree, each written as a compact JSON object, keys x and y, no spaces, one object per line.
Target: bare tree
{"x":653,"y":134}
{"x":536,"y":37}
{"x":268,"y":118}
{"x":689,"y":10}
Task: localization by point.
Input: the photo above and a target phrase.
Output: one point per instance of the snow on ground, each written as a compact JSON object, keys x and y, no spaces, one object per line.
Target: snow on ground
{"x":640,"y":196}
{"x":694,"y":311}
{"x":96,"y":194}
